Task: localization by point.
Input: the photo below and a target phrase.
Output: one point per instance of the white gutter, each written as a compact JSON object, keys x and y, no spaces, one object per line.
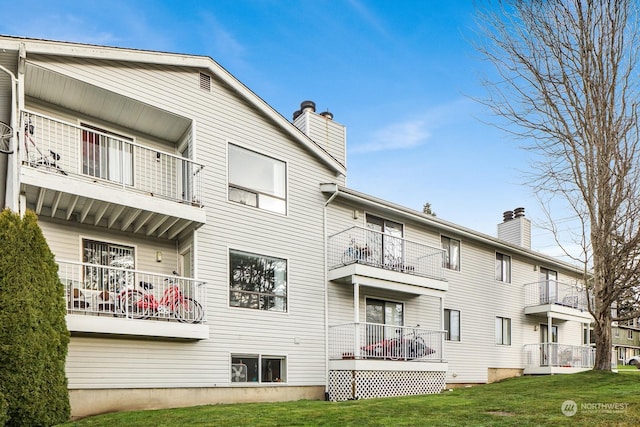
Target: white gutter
{"x":324,"y":188}
{"x":12,"y":185}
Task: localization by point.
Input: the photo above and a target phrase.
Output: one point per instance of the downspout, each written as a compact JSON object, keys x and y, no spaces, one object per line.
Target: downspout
{"x":326,"y":292}
{"x":11,"y":185}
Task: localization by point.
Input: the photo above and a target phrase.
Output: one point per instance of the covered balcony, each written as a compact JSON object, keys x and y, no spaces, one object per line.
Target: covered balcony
{"x":78,"y":173}
{"x":359,"y":251}
{"x":550,"y":298}
{"x":103,"y":300}
{"x":375,"y":342}
{"x":554,"y":358}
{"x":368,"y":360}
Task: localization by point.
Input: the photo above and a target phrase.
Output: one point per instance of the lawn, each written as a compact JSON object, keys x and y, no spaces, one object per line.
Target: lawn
{"x":602,"y":399}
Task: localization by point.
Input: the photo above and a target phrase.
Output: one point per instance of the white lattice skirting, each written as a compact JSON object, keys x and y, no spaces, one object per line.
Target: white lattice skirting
{"x":348,"y":385}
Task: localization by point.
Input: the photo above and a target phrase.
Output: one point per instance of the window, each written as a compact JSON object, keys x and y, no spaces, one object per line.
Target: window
{"x":257,"y":180}
{"x":107,"y":255}
{"x":616,"y":332}
{"x":384,"y":312}
{"x":591,"y":339}
{"x":452,"y":324}
{"x":503,"y":268}
{"x":384,"y":239}
{"x":503,"y":331}
{"x":383,"y":318}
{"x":254,"y":368}
{"x":629,"y":334}
{"x":548,"y":286}
{"x":257,"y":281}
{"x":106,"y":155}
{"x":451,"y":253}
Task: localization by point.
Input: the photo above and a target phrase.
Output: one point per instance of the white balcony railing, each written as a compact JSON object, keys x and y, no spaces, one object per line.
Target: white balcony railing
{"x":559,"y":355}
{"x":385,"y":342}
{"x":83,"y":152}
{"x":120,"y":292}
{"x":553,"y":292}
{"x":370,"y":247}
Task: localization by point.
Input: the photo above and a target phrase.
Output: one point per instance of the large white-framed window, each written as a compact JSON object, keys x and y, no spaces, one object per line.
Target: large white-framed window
{"x":451,"y":253}
{"x":106,"y":254}
{"x":503,"y":268}
{"x":503,"y":331}
{"x":257,"y":180}
{"x":258,"y":368}
{"x":107,"y":155}
{"x":452,"y":324}
{"x":257,"y":281}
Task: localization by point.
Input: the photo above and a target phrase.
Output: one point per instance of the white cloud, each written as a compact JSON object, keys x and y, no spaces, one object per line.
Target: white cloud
{"x":396,"y":136}
{"x":415,"y":131}
{"x":224,"y":43}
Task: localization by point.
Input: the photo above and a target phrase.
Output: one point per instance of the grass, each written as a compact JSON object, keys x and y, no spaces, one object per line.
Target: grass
{"x":525,"y":401}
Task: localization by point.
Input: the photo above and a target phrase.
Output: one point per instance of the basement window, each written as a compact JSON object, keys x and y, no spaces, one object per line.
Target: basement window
{"x":255,"y":368}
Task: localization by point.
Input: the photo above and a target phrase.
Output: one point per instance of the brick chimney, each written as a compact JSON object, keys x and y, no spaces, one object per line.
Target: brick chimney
{"x":321,"y":128}
{"x":515,"y":228}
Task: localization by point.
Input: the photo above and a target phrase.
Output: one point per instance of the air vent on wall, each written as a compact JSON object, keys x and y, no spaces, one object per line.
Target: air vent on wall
{"x":205,"y":82}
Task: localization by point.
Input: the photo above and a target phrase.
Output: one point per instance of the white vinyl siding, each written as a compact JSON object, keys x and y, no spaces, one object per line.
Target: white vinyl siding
{"x":221,"y":116}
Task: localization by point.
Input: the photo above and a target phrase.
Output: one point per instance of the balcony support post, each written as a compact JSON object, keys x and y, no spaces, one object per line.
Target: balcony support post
{"x":356,"y":318}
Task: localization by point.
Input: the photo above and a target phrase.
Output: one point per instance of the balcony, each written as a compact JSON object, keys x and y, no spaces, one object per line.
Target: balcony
{"x":375,"y":342}
{"x":78,"y":173}
{"x":554,"y":358}
{"x":368,"y":360}
{"x":385,"y":259}
{"x":558,"y":300}
{"x":117,"y":301}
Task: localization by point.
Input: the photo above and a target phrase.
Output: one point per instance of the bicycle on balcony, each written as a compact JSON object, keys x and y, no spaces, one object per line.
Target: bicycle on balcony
{"x":403,"y":347}
{"x":6,"y":134}
{"x":142,"y":304}
{"x":39,"y":159}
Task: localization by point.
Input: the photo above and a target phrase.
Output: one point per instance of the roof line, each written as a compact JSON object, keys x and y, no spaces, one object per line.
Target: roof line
{"x":80,"y":50}
{"x":436,"y":222}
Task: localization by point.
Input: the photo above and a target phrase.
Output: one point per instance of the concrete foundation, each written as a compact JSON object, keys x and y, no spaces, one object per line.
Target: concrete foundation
{"x":88,"y":402}
{"x":497,"y":374}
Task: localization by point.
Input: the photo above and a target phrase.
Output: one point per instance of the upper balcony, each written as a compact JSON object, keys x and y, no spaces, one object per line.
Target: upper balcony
{"x":559,"y":300}
{"x":106,"y":300}
{"x":80,"y":173}
{"x":385,"y":260}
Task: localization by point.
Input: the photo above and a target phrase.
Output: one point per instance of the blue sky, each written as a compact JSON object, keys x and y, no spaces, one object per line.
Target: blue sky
{"x":401,"y":75}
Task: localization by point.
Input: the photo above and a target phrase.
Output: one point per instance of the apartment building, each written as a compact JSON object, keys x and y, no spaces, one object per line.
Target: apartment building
{"x":626,"y":340}
{"x":212,"y":253}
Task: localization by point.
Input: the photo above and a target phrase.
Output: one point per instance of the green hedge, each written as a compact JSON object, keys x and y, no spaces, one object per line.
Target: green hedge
{"x":4,"y":417}
{"x":33,"y":332}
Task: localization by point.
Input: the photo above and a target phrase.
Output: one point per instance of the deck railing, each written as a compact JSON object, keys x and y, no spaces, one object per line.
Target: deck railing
{"x":559,"y":355}
{"x":121,"y":292}
{"x":385,"y":342}
{"x":364,"y":246}
{"x":83,"y":152}
{"x":554,"y":292}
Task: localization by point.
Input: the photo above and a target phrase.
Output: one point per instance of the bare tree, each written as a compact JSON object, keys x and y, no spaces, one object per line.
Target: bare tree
{"x":568,"y":86}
